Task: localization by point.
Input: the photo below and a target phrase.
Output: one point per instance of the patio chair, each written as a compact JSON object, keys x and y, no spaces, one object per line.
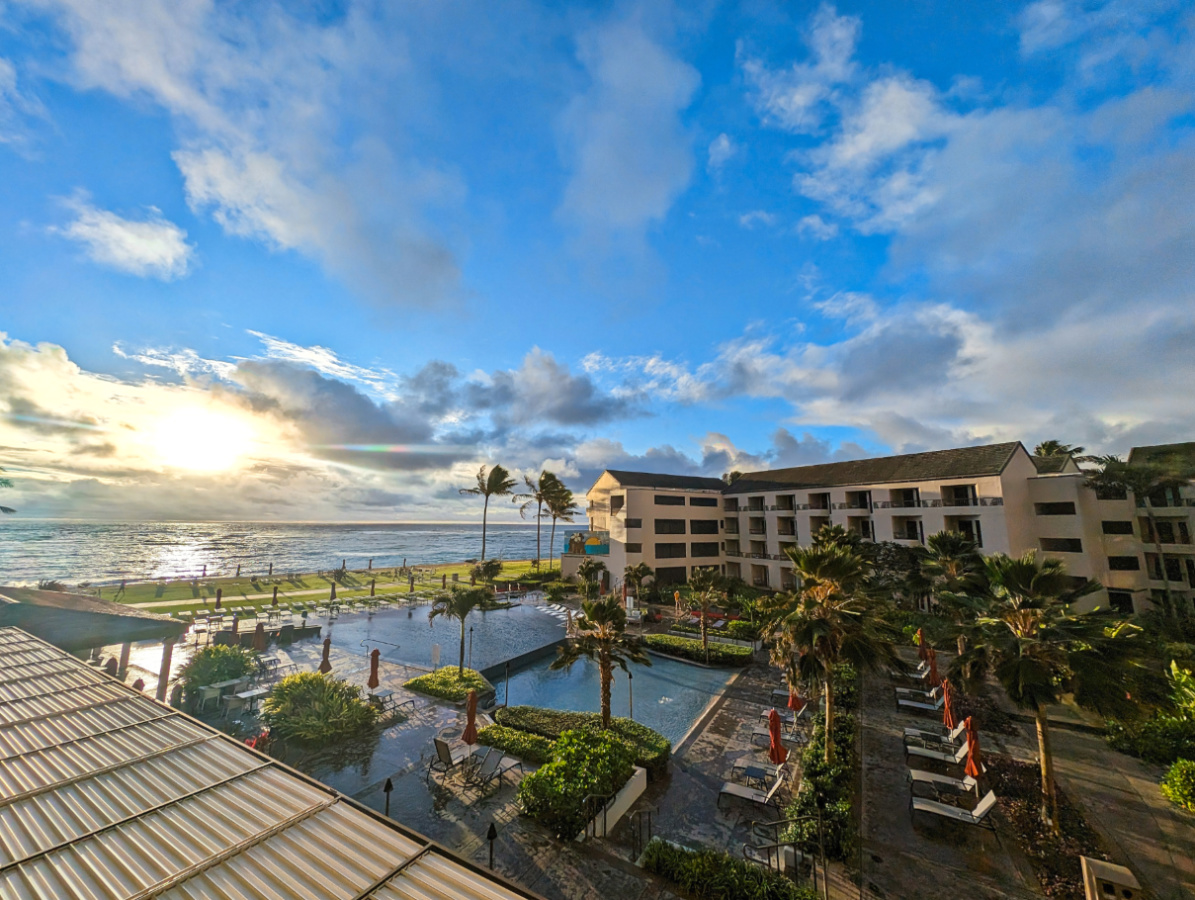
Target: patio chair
{"x":791,"y":738}
{"x":769,"y":797}
{"x":787,"y":716}
{"x":206,"y":693}
{"x":918,"y":693}
{"x":942,"y":740}
{"x":446,"y":758}
{"x":493,"y":767}
{"x":978,"y":816}
{"x":942,"y":754}
{"x":919,"y":705}
{"x":964,"y":785}
{"x":770,"y":770}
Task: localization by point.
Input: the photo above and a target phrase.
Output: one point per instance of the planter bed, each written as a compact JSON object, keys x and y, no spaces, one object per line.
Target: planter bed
{"x":691,"y":650}
{"x":447,"y":685}
{"x":651,"y":748}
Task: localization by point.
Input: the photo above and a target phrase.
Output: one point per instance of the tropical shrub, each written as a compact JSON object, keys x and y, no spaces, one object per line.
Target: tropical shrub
{"x":558,"y":590}
{"x":584,"y":762}
{"x":211,"y":665}
{"x":315,"y":709}
{"x":1178,"y":785}
{"x":832,"y":783}
{"x":739,"y":629}
{"x":447,"y":684}
{"x":650,"y":748}
{"x":1162,"y":738}
{"x":524,"y":745}
{"x":714,"y":875}
{"x":685,"y":648}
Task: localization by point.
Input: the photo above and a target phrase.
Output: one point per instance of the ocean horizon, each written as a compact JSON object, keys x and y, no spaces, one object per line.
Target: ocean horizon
{"x":105,"y":552}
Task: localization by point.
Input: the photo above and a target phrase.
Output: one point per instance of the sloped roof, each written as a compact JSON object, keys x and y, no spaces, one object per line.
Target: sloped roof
{"x":78,"y":621}
{"x":963,"y":462}
{"x":1160,"y":454}
{"x":109,"y":795}
{"x":1051,"y":465}
{"x":77,"y":603}
{"x":653,"y":480}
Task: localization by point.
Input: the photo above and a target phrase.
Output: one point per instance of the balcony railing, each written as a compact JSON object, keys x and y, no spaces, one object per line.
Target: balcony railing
{"x":853,"y":504}
{"x":963,"y":501}
{"x":735,"y":554}
{"x":791,"y":532}
{"x":1167,"y":503}
{"x":732,"y":527}
{"x":898,"y":504}
{"x":755,"y":530}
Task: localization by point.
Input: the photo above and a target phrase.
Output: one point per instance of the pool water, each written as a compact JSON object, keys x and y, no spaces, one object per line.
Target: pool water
{"x":498,"y":635}
{"x":668,"y":696}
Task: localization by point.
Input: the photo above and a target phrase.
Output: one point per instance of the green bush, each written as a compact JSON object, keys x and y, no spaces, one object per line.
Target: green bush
{"x":214,"y":664}
{"x":651,"y":749}
{"x":583,"y":763}
{"x":713,"y":875}
{"x":528,"y":747}
{"x":1178,"y":786}
{"x":1162,"y":738}
{"x":739,"y":629}
{"x":316,"y":709}
{"x":831,"y":781}
{"x":446,"y":684}
{"x":558,"y":590}
{"x":685,"y":648}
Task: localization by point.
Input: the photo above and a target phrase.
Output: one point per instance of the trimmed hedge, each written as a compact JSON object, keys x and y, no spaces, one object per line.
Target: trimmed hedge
{"x":1178,"y":786}
{"x":834,"y":782}
{"x":651,"y":748}
{"x":524,"y":745}
{"x":583,"y":762}
{"x":739,"y":629}
{"x":1162,"y":738}
{"x":713,"y":875}
{"x":447,"y":685}
{"x":720,"y":654}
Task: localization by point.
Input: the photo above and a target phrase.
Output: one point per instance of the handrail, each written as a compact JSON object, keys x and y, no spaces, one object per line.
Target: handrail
{"x":592,"y":812}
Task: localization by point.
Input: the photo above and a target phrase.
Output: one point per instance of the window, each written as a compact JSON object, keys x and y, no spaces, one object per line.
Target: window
{"x":1111,"y":493}
{"x":670,"y":526}
{"x":669,"y":500}
{"x":670,"y":551}
{"x":1121,"y":601}
{"x":1118,"y":527}
{"x":730,"y":505}
{"x":634,"y":523}
{"x":634,"y":548}
{"x":616,"y":503}
{"x":671,"y":575}
{"x":703,"y":501}
{"x":970,"y":529}
{"x":1054,"y":509}
{"x":1062,"y":545}
{"x":819,"y":501}
{"x":1124,"y":563}
{"x":755,"y":504}
{"x":703,"y":526}
{"x":704,"y":549}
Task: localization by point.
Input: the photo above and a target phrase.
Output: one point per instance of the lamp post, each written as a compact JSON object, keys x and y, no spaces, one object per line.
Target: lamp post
{"x":389,"y":786}
{"x":491,"y":836}
{"x":631,"y":693}
{"x":470,"y":646}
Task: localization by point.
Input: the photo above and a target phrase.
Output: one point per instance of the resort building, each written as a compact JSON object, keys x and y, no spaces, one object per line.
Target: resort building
{"x":1001,"y":496}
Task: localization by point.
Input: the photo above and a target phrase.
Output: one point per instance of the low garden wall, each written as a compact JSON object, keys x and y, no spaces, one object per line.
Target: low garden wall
{"x":603,"y":823}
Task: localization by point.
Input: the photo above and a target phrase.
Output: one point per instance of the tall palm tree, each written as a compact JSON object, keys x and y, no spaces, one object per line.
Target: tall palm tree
{"x":953,"y":566}
{"x":705,"y":584}
{"x":1057,"y":448}
{"x":1144,"y":481}
{"x":590,"y":572}
{"x":538,"y":493}
{"x":6,"y":483}
{"x":829,"y":620}
{"x":601,"y":635}
{"x":497,"y":484}
{"x":1038,"y":648}
{"x":634,"y":576}
{"x":562,"y":506}
{"x":457,"y":605}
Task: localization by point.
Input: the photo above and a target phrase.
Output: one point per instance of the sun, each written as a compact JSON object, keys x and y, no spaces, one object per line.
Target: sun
{"x":201,"y":439}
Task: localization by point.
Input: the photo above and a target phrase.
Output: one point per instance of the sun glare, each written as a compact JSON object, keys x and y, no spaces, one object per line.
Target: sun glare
{"x":200,"y":439}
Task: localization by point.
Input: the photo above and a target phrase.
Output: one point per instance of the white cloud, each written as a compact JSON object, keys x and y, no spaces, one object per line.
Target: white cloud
{"x":721,"y":149}
{"x":756,"y":217}
{"x":816,"y":227}
{"x":622,"y":138}
{"x":152,"y":247}
{"x":184,"y":363}
{"x":379,"y":381}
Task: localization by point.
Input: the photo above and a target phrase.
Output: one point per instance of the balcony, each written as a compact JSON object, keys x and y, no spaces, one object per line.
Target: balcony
{"x":732,"y":526}
{"x":730,"y":506}
{"x":853,"y":504}
{"x":899,"y":504}
{"x":963,"y":501}
{"x":735,"y":554}
{"x":758,"y":530}
{"x":586,"y":543}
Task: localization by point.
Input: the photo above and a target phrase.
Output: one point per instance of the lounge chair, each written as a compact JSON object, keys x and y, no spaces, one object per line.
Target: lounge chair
{"x":769,"y":797}
{"x":920,"y":706}
{"x":964,"y":785}
{"x":977,"y":816}
{"x":918,"y":693}
{"x":446,"y":758}
{"x":792,"y":737}
{"x":787,"y":716}
{"x":493,"y":766}
{"x":941,"y":739}
{"x":939,"y":754}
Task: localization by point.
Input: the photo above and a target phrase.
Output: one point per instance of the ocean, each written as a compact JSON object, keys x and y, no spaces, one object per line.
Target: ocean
{"x":74,"y":552}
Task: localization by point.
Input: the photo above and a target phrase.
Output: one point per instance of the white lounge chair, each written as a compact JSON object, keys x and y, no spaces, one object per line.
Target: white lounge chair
{"x":942,"y":738}
{"x":763,"y":798}
{"x":918,"y":693}
{"x":790,"y":738}
{"x":919,"y":705}
{"x":944,"y":754}
{"x":977,"y":816}
{"x":963,"y":785}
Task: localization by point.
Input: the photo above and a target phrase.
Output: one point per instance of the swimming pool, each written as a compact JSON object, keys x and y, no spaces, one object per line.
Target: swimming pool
{"x":498,"y":635}
{"x":668,"y":696}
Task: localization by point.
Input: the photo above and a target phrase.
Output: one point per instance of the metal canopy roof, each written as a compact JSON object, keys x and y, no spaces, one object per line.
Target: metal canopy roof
{"x":108,"y":795}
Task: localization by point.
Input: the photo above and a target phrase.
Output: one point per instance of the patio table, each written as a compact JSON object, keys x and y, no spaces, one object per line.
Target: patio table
{"x":754,"y":776}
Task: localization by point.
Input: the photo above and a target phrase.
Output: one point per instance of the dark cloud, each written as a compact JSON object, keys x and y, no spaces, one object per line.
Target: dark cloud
{"x":904,"y":355}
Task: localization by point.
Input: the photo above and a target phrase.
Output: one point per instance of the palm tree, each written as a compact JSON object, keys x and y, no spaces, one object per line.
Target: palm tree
{"x":487,"y":571}
{"x":704,"y":584}
{"x":601,"y":635}
{"x":457,"y":605}
{"x":590,"y":572}
{"x":562,"y":506}
{"x":634,"y":576}
{"x":1145,"y":481}
{"x":497,"y":484}
{"x":1038,"y":648}
{"x":953,"y":566}
{"x":6,"y":483}
{"x":539,"y":493}
{"x":1057,"y":448}
{"x":827,"y":622}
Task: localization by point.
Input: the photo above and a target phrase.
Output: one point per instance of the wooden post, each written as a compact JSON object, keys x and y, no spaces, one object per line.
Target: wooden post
{"x":125,"y":649}
{"x":271,"y":570}
{"x":238,"y":571}
{"x":164,"y":672}
{"x":371,"y":564}
{"x":372,"y":583}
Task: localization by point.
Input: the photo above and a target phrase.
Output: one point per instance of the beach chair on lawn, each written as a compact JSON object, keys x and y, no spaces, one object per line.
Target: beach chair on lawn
{"x":769,"y":798}
{"x":947,"y":755}
{"x":980,"y":816}
{"x":447,"y":758}
{"x":492,"y":768}
{"x":964,"y":785}
{"x":943,"y":738}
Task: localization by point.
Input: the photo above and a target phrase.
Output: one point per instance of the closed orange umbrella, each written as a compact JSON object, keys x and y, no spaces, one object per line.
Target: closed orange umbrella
{"x":934,"y":679}
{"x":922,"y":647}
{"x":974,"y":766}
{"x":777,"y":752}
{"x":259,"y":638}
{"x":948,"y":704}
{"x":470,"y":735}
{"x":332,"y":596}
{"x":795,"y":700}
{"x":325,"y":665}
{"x":374,"y":681}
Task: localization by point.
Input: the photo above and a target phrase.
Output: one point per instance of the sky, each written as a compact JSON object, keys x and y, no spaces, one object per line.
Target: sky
{"x":323,"y":260}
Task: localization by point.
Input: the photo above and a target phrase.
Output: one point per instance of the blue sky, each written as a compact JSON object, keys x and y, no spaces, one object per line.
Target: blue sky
{"x":679,"y":237}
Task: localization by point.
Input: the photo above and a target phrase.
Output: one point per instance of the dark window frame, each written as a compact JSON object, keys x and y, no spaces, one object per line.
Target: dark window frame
{"x":1118,"y":526}
{"x":669,"y":500}
{"x":703,"y":526}
{"x":1055,"y":508}
{"x":671,"y":526}
{"x":703,"y":549}
{"x":1124,"y":563}
{"x":669,"y":550}
{"x":1060,"y":545}
{"x":703,"y":501}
